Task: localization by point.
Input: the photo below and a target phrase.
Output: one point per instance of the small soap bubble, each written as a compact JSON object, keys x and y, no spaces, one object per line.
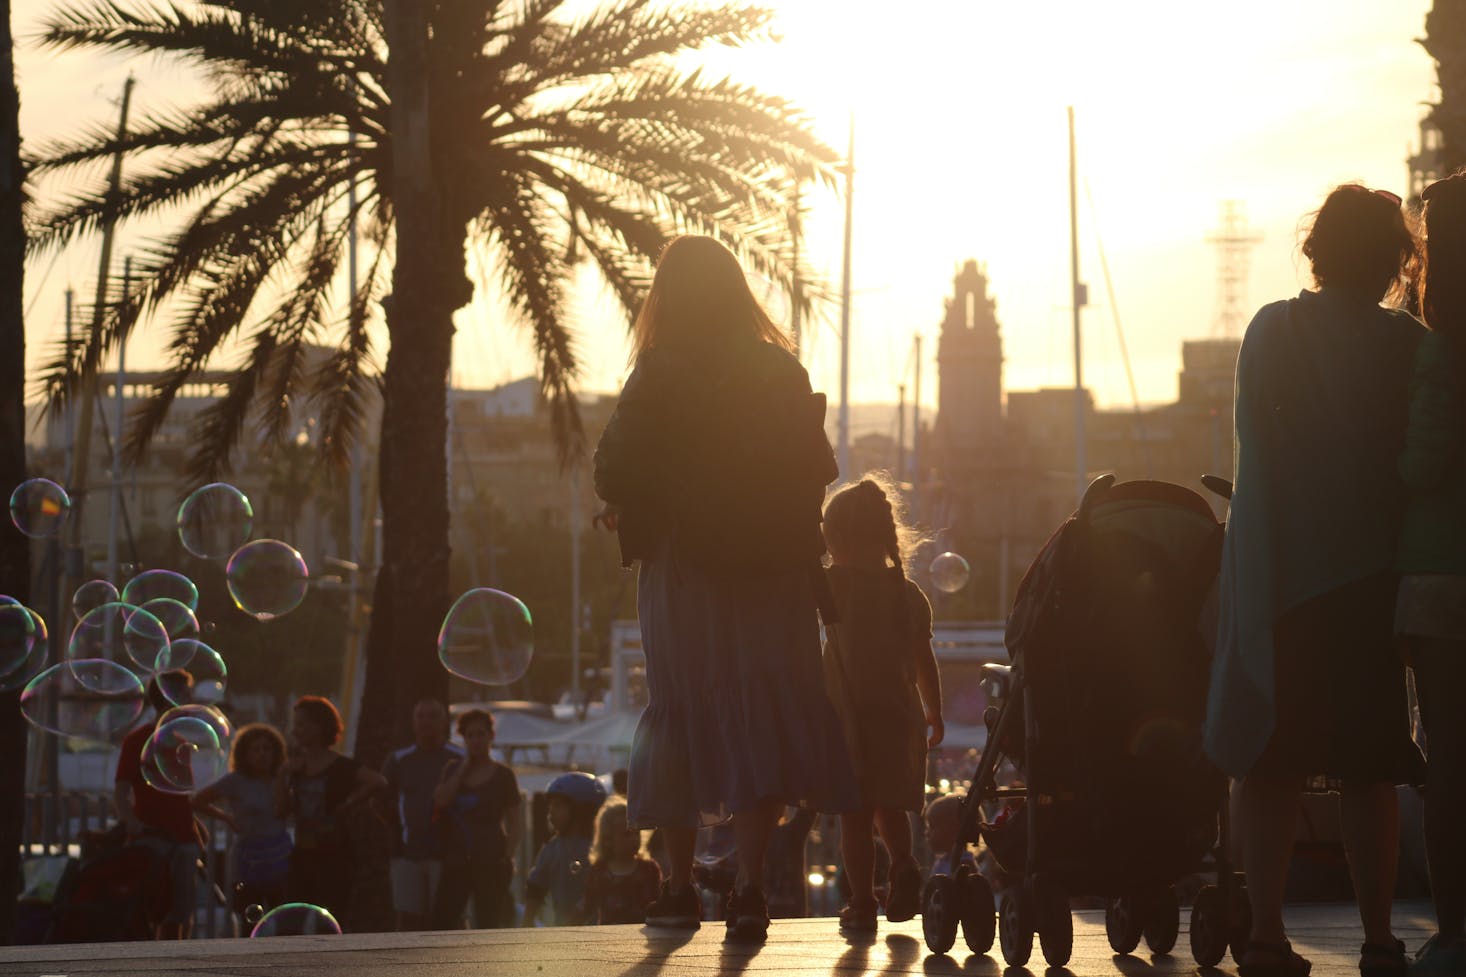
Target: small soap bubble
{"x":118,"y":632}
{"x":39,"y":507}
{"x":577,"y":867}
{"x":184,"y":754}
{"x":487,"y":637}
{"x":267,"y":578}
{"x":253,"y":912}
{"x":950,"y":572}
{"x":190,"y":672}
{"x":215,"y":521}
{"x":91,"y":595}
{"x":92,"y":700}
{"x":160,"y":585}
{"x":296,"y":919}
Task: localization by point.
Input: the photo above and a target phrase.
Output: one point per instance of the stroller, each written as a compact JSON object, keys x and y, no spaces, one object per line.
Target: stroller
{"x":120,"y":892}
{"x":1100,"y":712}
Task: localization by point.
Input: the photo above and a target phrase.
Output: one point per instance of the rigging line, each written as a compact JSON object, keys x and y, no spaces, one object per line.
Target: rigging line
{"x":1119,"y":332}
{"x":116,"y":475}
{"x":41,"y":286}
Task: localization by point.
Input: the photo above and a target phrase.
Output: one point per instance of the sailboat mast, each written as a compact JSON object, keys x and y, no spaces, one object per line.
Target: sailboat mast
{"x":843,"y":453}
{"x":1078,"y":303}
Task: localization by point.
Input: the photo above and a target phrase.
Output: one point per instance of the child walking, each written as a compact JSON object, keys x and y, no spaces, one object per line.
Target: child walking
{"x":882,"y":679}
{"x":622,"y":878}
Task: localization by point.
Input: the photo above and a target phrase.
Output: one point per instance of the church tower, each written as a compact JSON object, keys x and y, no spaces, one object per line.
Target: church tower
{"x":969,"y":370}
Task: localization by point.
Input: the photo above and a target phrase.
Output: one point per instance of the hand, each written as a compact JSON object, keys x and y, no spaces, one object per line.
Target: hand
{"x":938,"y":730}
{"x":607,"y":517}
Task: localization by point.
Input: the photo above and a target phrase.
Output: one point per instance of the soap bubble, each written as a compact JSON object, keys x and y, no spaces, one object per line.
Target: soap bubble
{"x":209,"y":715}
{"x":267,"y":578}
{"x":175,"y":617}
{"x":91,"y":700}
{"x":39,"y":507}
{"x":487,"y":637}
{"x":22,"y":671}
{"x":118,"y":632}
{"x":190,"y":672}
{"x":296,"y":919}
{"x":253,"y":912}
{"x":715,"y":843}
{"x":183,"y":755}
{"x":950,"y":573}
{"x":91,"y":595}
{"x":161,"y":584}
{"x":215,"y":521}
{"x":17,"y":637}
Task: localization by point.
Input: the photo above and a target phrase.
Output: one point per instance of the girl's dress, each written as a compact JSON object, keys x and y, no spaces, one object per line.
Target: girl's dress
{"x":737,"y":713}
{"x":476,"y":859}
{"x":611,"y":897}
{"x":871,"y":677}
{"x":261,"y":852}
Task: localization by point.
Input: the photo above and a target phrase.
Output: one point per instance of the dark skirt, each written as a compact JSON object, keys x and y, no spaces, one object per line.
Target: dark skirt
{"x":1342,"y":708}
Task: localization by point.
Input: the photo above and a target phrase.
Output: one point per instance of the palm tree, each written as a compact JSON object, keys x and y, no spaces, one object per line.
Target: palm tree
{"x":548,"y":142}
{"x":1445,"y":41}
{"x":15,"y":576}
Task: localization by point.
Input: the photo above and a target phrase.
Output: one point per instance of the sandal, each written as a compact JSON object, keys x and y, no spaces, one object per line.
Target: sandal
{"x":858,"y":920}
{"x":1383,"y":960}
{"x":1272,"y":960}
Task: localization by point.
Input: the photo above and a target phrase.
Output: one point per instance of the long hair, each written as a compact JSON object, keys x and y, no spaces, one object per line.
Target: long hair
{"x":1443,"y":292}
{"x":1362,"y":242}
{"x":869,"y":514}
{"x":700,"y":303}
{"x":611,"y":817}
{"x":245,"y":740}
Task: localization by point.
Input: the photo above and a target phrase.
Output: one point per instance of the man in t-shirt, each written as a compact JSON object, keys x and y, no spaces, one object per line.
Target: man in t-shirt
{"x":159,"y":821}
{"x":412,"y":773}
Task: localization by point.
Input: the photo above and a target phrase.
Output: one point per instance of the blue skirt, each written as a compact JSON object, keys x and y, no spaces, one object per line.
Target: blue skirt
{"x":737,"y":713}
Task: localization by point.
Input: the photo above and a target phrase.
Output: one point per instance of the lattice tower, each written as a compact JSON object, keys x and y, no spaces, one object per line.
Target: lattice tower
{"x":1234,"y":242}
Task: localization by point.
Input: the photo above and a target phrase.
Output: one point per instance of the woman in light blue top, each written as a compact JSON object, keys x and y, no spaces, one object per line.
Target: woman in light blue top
{"x":254,"y":807}
{"x":1306,"y":681}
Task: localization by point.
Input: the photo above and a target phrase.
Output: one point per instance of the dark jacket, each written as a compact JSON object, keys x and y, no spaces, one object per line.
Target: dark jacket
{"x":728,"y":460}
{"x":1433,"y":464}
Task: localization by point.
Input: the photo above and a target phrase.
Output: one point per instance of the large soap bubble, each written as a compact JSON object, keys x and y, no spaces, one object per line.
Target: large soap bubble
{"x":91,"y":700}
{"x":950,"y":572}
{"x":297,"y":919}
{"x":487,"y":637}
{"x":176,"y":617}
{"x":17,"y":637}
{"x":215,"y":521}
{"x":161,"y":585}
{"x":210,"y":715}
{"x":190,"y":672}
{"x":91,"y":595}
{"x":267,"y":578}
{"x":121,"y":633}
{"x":183,"y":755}
{"x":39,"y":507}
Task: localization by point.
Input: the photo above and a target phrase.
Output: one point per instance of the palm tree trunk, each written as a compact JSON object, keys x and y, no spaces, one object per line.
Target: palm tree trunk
{"x":14,"y":548}
{"x":428,"y":285}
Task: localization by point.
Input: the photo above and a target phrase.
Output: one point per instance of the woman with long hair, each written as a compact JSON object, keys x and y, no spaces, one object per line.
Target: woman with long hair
{"x":1430,"y":615}
{"x":1306,"y":680}
{"x":714,"y":467}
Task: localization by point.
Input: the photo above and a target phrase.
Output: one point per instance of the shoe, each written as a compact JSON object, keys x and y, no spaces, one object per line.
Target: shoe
{"x":858,"y":920}
{"x":748,"y":915}
{"x":675,"y":910}
{"x":1383,"y":960}
{"x":904,"y":902}
{"x":1437,"y":959}
{"x":1272,"y":960}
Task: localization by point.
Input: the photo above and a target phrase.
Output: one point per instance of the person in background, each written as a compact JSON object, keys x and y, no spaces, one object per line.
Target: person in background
{"x":254,"y":807}
{"x":322,"y":786}
{"x":1306,"y":680}
{"x":881,"y":676}
{"x":618,"y":780}
{"x":413,"y":773}
{"x":940,"y":821}
{"x":622,"y":878}
{"x":559,"y":868}
{"x":476,"y":807}
{"x":1430,"y":612}
{"x":163,"y":822}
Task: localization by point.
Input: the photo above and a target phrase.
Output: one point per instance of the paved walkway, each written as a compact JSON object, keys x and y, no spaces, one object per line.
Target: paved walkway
{"x":1328,"y":934}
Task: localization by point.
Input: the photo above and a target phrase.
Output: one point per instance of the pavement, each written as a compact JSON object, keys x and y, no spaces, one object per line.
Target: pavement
{"x":1327,"y":933}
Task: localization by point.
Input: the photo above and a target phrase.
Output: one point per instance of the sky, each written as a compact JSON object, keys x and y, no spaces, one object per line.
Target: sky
{"x":961,"y":151}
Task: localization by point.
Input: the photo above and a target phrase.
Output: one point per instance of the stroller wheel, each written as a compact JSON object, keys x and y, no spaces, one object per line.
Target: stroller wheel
{"x":1241,"y":920}
{"x":1209,"y":927}
{"x":1015,"y":925}
{"x":1123,"y":924}
{"x":1056,"y":927}
{"x":979,"y":914}
{"x":1162,"y":920}
{"x":939,"y":913}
